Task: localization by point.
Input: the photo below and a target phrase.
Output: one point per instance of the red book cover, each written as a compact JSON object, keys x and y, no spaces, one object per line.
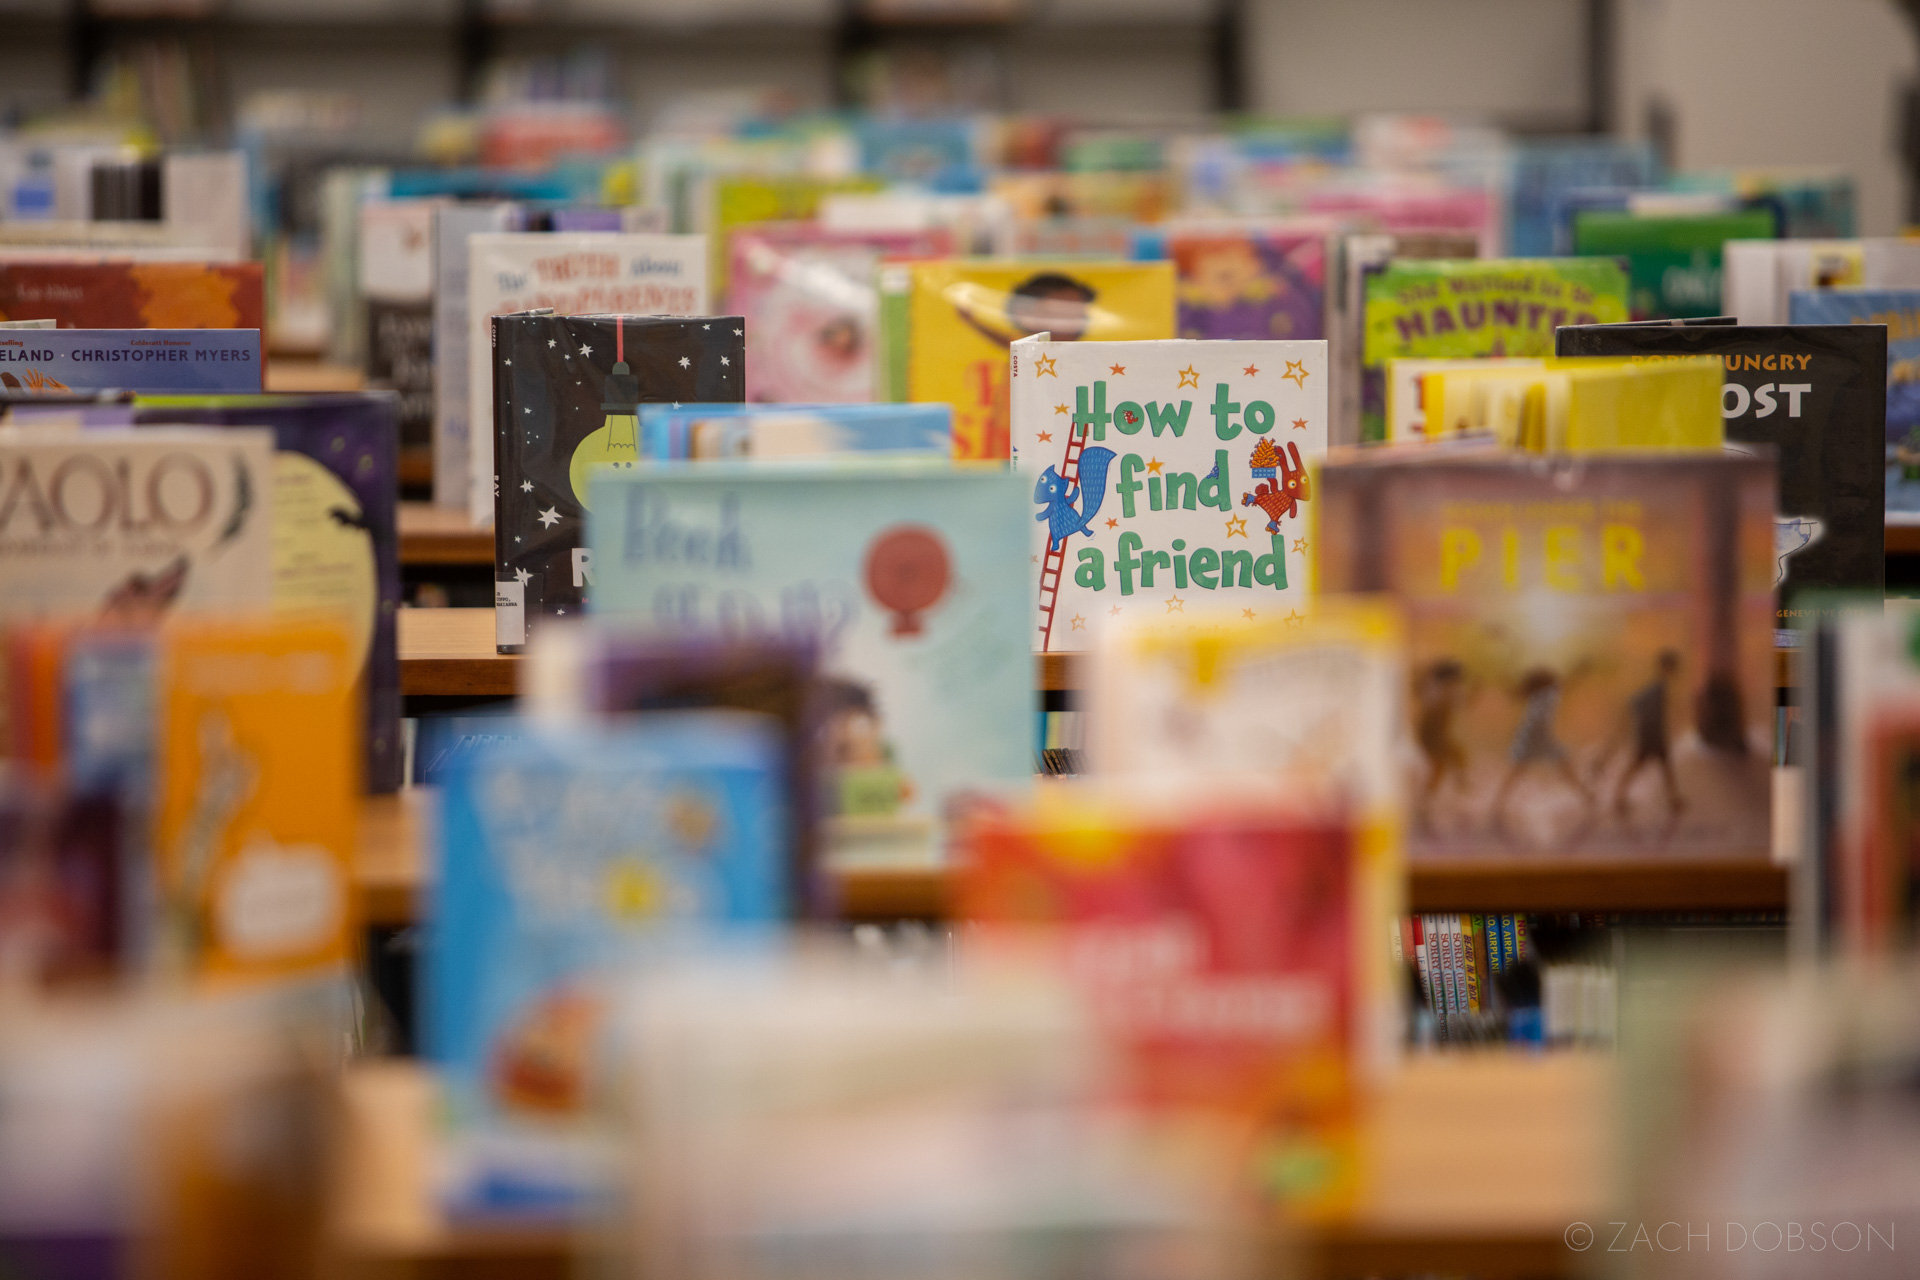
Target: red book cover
{"x":134,"y":295}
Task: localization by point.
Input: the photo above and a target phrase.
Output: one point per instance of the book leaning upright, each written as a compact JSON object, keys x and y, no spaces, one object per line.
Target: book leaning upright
{"x":1168,"y":476}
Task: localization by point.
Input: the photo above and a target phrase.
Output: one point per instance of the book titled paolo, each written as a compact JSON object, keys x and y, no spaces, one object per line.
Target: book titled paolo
{"x":1167,"y":477}
{"x":63,"y":361}
{"x":1817,"y":393}
{"x":903,"y":576}
{"x":568,"y":394}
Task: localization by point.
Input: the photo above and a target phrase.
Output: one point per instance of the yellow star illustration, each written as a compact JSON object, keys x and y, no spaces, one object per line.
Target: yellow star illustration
{"x":1237,"y":526}
{"x":1154,"y":465}
{"x":1060,"y":408}
{"x":1176,"y":605}
{"x":1043,"y":368}
{"x":1296,"y":370}
{"x":1117,"y":369}
{"x":1045,"y":437}
{"x":1300,"y":546}
{"x":1294,"y":619}
{"x":1190,"y":377}
{"x":1079,"y":623}
{"x":1247,"y":614}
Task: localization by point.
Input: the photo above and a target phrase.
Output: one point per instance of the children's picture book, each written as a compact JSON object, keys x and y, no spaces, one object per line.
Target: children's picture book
{"x":1816,"y":395}
{"x":1359,"y":259}
{"x":583,"y":273}
{"x":1760,"y":277}
{"x":1248,"y":281}
{"x":53,"y":362}
{"x":568,"y":394}
{"x":812,"y":306}
{"x":1540,"y":172}
{"x":795,"y":430}
{"x":904,"y":576}
{"x":732,"y":201}
{"x":1899,"y":311}
{"x":255,"y":827}
{"x":63,"y":886}
{"x":566,"y":858}
{"x":1501,"y":307}
{"x":396,"y":279}
{"x":962,"y":315}
{"x":1131,"y":517}
{"x":128,"y":526}
{"x":335,"y":541}
{"x":90,"y":293}
{"x":1591,"y":644}
{"x":1674,"y":261}
{"x":453,"y":417}
{"x":1216,"y":952}
{"x":1408,"y":412}
{"x":1138,"y":196}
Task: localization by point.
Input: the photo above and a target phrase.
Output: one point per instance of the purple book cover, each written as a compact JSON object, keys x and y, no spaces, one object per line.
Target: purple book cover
{"x":350,"y":542}
{"x":1250,"y":283}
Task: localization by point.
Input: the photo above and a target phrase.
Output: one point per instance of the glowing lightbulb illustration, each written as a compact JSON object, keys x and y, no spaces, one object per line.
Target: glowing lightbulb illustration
{"x":617,"y":440}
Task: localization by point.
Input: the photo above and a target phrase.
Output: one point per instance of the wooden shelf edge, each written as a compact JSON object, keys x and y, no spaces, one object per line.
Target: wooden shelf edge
{"x":1581,"y":884}
{"x":497,"y":676}
{"x":1903,"y":539}
{"x":1060,"y":672}
{"x":1345,"y":1251}
{"x":895,"y":895}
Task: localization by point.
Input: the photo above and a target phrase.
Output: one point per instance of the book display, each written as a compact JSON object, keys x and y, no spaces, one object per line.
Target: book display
{"x":680,"y":644}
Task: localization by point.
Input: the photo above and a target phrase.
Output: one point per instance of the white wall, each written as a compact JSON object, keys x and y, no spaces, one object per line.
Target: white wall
{"x":1775,"y":82}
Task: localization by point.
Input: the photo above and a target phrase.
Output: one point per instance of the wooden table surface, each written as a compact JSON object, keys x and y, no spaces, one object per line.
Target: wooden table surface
{"x":1476,"y":1162}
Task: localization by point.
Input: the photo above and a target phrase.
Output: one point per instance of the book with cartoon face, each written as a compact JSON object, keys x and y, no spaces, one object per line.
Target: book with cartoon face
{"x":906,"y":578}
{"x":578,"y":273}
{"x":567,"y":399}
{"x":1590,"y":642}
{"x":1249,"y":281}
{"x":1167,"y":477}
{"x":962,"y":315}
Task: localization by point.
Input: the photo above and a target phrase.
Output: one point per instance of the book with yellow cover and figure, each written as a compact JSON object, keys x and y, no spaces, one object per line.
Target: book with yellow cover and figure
{"x":963,"y":315}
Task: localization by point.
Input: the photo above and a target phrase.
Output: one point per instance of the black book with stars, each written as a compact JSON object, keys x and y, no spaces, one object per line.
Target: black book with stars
{"x":567,"y":391}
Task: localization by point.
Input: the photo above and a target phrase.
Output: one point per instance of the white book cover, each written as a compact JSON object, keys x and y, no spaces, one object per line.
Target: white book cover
{"x":453,"y":226}
{"x":571,"y":274}
{"x":1170,"y":477}
{"x":130,"y":525}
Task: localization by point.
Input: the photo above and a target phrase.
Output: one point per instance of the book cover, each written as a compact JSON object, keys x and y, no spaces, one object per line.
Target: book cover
{"x":81,"y":294}
{"x":568,"y":394}
{"x":1817,"y":395}
{"x":1408,"y":413}
{"x":1165,"y":473}
{"x":256,"y":812}
{"x":1217,"y":955}
{"x":1358,"y":260}
{"x":62,"y":361}
{"x":795,"y":430}
{"x":1447,"y":310}
{"x":812,"y":305}
{"x":907,"y":578}
{"x":1591,"y":644}
{"x":1542,"y":171}
{"x":128,"y":526}
{"x":1249,"y":281}
{"x":396,"y":279}
{"x":962,"y":316}
{"x":1406,"y":210}
{"x":1760,"y":277}
{"x":1138,"y":196}
{"x":582,"y":273}
{"x":1674,"y":261}
{"x":737,"y":200}
{"x":1899,"y":311}
{"x":564,"y":859}
{"x":62,"y":884}
{"x":335,"y":540}
{"x":453,"y":416}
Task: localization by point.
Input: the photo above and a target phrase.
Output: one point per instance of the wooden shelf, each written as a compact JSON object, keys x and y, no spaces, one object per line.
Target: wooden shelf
{"x":1523,"y":1138}
{"x":441,"y":535}
{"x":450,"y":653}
{"x":1903,"y":539}
{"x":1584,"y":884}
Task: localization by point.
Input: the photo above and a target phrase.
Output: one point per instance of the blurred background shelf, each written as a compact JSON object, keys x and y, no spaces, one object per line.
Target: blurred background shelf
{"x":431,"y":535}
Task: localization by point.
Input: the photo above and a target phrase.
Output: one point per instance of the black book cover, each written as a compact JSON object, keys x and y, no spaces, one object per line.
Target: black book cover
{"x":400,"y":359}
{"x":566,"y":396}
{"x":1818,"y":394}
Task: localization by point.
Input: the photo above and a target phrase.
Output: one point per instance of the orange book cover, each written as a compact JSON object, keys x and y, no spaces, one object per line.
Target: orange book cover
{"x":256,"y":795}
{"x":82,"y":294}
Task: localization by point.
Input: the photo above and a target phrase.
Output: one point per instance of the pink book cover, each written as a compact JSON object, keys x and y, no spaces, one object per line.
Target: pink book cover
{"x":1399,"y":209}
{"x":812,"y":305}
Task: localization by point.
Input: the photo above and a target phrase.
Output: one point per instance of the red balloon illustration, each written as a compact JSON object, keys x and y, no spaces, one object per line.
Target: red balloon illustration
{"x":907,"y":571}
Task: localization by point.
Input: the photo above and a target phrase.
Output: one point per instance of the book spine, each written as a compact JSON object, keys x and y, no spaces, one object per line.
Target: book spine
{"x":1442,"y":973}
{"x":1417,"y":924}
{"x":1521,"y":949}
{"x":1508,"y":956}
{"x":1469,"y":939}
{"x":1456,"y":940}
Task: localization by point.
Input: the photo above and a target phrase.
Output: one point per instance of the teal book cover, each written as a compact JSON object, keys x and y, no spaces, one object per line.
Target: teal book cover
{"x":910,"y":581}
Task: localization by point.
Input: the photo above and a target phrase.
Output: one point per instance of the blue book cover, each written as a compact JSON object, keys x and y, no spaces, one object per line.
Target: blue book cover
{"x":63,"y":361}
{"x":564,"y":859}
{"x":1899,"y":311}
{"x":910,"y":580}
{"x":796,"y":430}
{"x":1542,"y":172}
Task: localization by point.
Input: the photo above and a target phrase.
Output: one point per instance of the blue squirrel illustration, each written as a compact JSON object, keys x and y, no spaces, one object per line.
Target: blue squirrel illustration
{"x":1060,"y":513}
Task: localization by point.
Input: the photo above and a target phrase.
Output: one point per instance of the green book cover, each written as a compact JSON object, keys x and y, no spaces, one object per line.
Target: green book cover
{"x":1674,"y":262}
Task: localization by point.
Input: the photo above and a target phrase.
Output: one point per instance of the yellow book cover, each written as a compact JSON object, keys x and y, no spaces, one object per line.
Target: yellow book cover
{"x":254,"y":820}
{"x":963,"y":314}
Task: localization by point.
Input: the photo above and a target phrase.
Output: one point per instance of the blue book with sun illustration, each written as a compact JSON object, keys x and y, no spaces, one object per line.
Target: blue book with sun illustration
{"x":908,"y":579}
{"x":565,"y":860}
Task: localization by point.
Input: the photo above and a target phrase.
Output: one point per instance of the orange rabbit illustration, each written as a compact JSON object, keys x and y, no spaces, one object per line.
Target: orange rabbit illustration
{"x":1285,"y":486}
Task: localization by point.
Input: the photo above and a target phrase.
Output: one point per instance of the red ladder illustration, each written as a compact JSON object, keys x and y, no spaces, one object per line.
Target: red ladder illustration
{"x":1053,"y":564}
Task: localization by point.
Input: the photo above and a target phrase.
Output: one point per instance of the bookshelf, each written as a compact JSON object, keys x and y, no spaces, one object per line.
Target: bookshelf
{"x":1523,"y":1139}
{"x":431,"y":535}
